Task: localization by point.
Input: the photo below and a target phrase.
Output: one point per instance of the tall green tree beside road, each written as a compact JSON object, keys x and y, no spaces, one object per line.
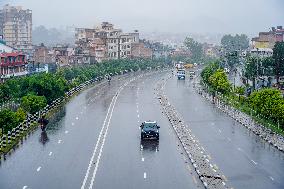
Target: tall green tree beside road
{"x":278,"y":56}
{"x":208,"y":71}
{"x":195,"y":48}
{"x":219,"y":82}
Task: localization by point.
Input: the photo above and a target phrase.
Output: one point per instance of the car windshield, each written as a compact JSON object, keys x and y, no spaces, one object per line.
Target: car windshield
{"x":149,"y":126}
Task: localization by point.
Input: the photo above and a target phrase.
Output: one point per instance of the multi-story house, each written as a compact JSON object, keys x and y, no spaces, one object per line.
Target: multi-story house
{"x":105,"y":42}
{"x":16,"y":27}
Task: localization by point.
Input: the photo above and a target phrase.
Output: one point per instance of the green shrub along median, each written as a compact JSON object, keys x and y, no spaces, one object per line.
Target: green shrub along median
{"x":36,"y":91}
{"x":266,"y":105}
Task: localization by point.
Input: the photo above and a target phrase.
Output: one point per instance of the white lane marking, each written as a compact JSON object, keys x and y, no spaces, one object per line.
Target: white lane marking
{"x":138,"y":115}
{"x":194,"y":179}
{"x":145,"y":175}
{"x":77,"y":118}
{"x":59,"y":141}
{"x":254,"y":162}
{"x":38,"y":169}
{"x":212,"y":123}
{"x":50,"y":153}
{"x":110,"y":111}
{"x":219,"y":131}
{"x":24,"y":187}
{"x":104,"y":138}
{"x":271,"y":178}
{"x":96,"y":146}
{"x":229,"y":139}
{"x":239,"y":149}
{"x":137,"y":111}
{"x":142,"y":159}
{"x":66,"y":132}
{"x":72,"y":123}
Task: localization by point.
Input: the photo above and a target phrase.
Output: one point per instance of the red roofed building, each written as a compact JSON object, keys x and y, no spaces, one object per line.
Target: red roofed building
{"x":12,"y":65}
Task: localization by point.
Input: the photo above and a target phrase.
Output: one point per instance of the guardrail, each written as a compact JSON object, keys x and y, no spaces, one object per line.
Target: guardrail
{"x":12,"y":137}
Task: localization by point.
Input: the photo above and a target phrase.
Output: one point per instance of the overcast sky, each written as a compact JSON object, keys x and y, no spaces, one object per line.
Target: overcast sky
{"x":204,"y":16}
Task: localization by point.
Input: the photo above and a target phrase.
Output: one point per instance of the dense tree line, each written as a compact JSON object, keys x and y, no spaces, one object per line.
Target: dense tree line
{"x":267,"y":102}
{"x":38,"y":90}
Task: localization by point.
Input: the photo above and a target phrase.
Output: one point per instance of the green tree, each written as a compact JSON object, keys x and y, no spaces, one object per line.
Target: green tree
{"x":251,"y":69}
{"x":219,"y":81}
{"x":235,"y":43}
{"x":32,"y":103}
{"x":267,"y":102}
{"x":8,"y":120}
{"x":278,"y":56}
{"x":208,"y":71}
{"x":195,"y":48}
{"x":20,"y":115}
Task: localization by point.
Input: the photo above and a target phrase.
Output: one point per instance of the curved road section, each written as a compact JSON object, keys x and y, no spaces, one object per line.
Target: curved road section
{"x":94,"y":142}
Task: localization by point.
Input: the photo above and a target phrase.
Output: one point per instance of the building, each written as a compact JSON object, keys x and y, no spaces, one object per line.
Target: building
{"x":16,"y":27}
{"x":104,"y":42}
{"x":261,"y":52}
{"x":268,"y":39}
{"x":42,"y":54}
{"x":139,"y":50}
{"x":5,"y":48}
{"x":12,"y":65}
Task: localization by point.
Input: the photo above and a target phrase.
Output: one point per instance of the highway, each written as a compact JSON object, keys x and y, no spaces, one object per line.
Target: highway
{"x":94,"y":142}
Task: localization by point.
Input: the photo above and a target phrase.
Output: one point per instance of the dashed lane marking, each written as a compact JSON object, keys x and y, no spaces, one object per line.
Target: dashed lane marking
{"x":194,"y":179}
{"x":271,"y":178}
{"x":219,"y":131}
{"x":77,"y":118}
{"x":72,"y":124}
{"x":59,"y":141}
{"x":138,"y":115}
{"x":38,"y":169}
{"x":66,"y":132}
{"x":229,"y":139}
{"x":145,"y":175}
{"x":142,"y":159}
{"x":50,"y":153}
{"x":25,"y":187}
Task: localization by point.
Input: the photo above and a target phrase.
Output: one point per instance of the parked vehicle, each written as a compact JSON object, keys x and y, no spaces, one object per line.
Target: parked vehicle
{"x":150,"y":130}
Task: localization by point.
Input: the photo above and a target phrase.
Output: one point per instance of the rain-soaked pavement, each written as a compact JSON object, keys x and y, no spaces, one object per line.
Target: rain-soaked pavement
{"x":94,"y":142}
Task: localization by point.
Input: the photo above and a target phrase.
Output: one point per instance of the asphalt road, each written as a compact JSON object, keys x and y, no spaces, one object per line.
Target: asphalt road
{"x":94,"y":142}
{"x":246,"y":160}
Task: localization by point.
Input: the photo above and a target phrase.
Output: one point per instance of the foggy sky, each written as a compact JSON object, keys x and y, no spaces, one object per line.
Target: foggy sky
{"x":204,"y":16}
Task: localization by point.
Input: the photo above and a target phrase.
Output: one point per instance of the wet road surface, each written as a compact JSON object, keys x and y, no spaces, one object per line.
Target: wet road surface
{"x":246,"y":160}
{"x":94,"y":142}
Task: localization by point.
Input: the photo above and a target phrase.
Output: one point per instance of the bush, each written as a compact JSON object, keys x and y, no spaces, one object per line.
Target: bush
{"x":32,"y":103}
{"x":8,"y":120}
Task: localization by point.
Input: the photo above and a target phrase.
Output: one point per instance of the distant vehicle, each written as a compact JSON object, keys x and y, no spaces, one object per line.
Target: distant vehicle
{"x":181,"y":74}
{"x":188,"y":66}
{"x":149,"y":130}
{"x":191,"y":74}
